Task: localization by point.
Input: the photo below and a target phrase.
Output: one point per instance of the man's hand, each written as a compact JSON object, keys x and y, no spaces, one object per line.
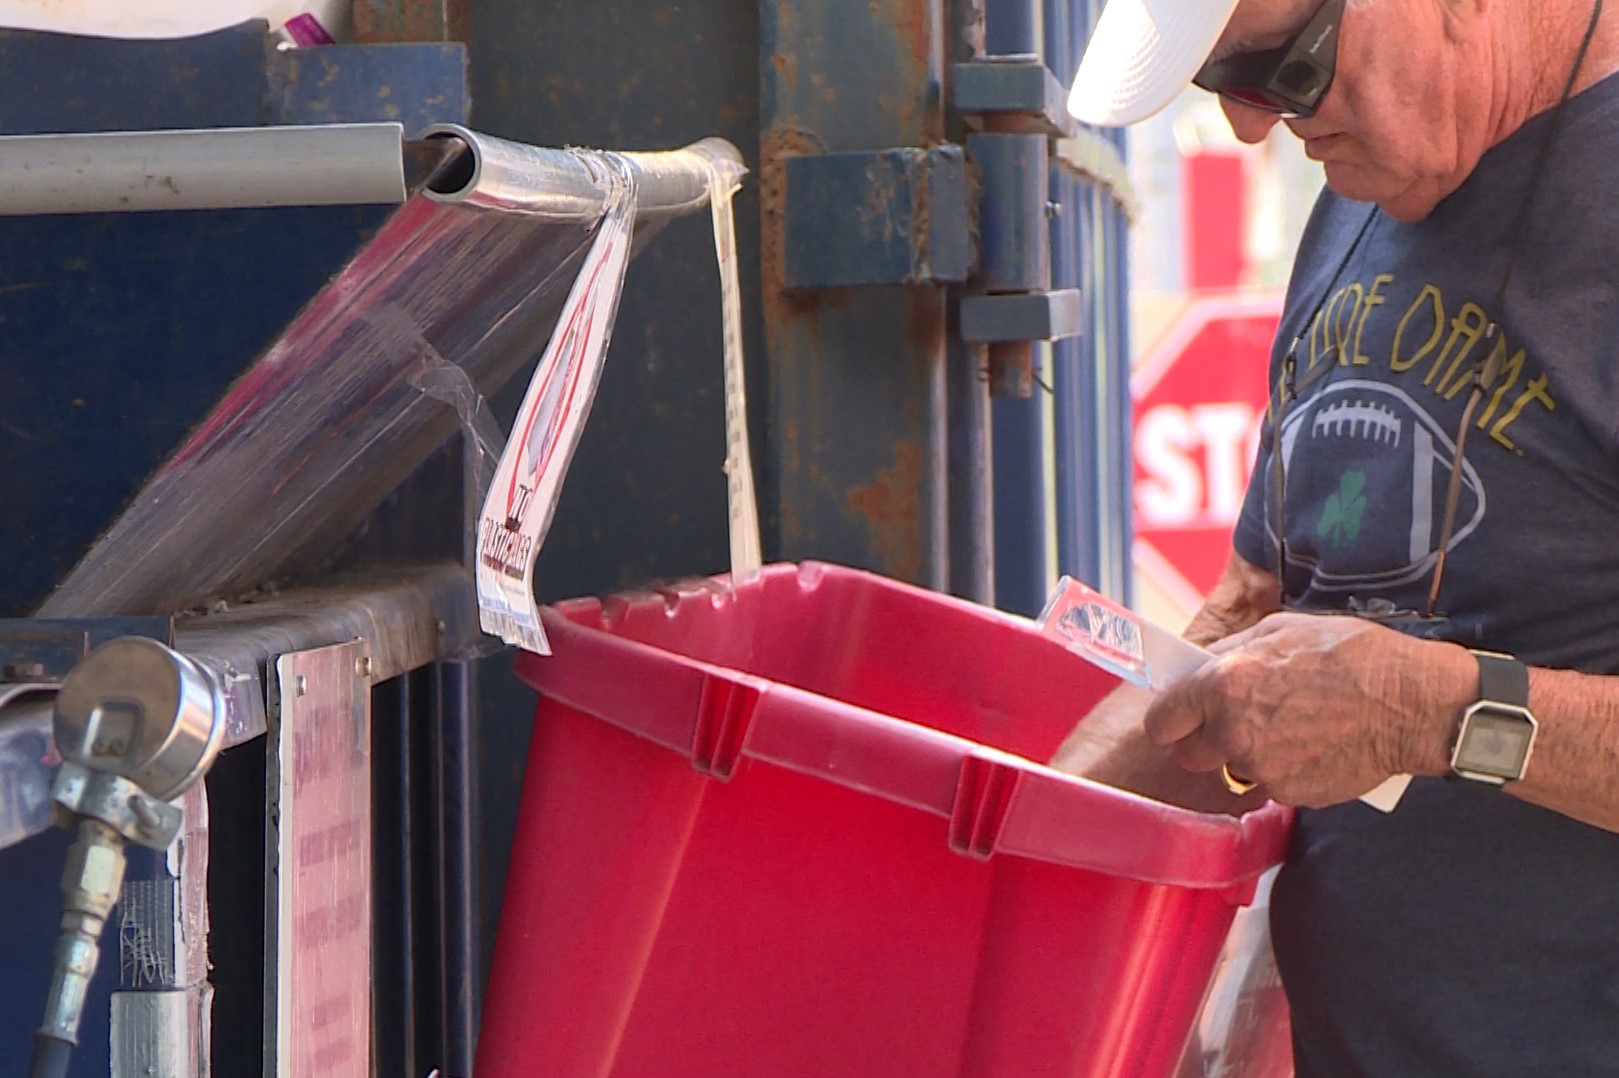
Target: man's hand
{"x":1318,"y":709}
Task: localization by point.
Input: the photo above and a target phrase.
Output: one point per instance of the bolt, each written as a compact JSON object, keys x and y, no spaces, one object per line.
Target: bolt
{"x":301,"y":686}
{"x":1053,"y":209}
{"x":440,"y":627}
{"x":362,"y":666}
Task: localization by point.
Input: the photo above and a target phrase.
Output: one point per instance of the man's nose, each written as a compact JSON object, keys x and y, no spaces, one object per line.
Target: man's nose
{"x":1250,"y":125}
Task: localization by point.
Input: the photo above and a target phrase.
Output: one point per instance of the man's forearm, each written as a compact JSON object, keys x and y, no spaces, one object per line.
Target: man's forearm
{"x":1574,"y":768}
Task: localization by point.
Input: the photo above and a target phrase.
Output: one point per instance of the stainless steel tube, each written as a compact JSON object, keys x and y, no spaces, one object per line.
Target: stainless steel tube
{"x":560,"y":185}
{"x":125,"y":171}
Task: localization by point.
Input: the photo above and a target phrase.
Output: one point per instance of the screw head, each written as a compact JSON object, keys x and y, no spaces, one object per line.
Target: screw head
{"x":362,"y":666}
{"x":301,"y":686}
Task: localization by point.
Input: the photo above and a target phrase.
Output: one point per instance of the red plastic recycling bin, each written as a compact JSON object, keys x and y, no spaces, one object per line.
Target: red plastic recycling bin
{"x":800,"y":828}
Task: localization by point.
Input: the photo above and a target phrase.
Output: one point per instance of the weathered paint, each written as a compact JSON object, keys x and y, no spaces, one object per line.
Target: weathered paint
{"x":875,"y":218}
{"x":391,"y":21}
{"x":890,"y":505}
{"x":854,"y":373}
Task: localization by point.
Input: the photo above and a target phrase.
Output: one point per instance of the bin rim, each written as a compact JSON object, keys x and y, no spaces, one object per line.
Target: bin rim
{"x":997,"y":802}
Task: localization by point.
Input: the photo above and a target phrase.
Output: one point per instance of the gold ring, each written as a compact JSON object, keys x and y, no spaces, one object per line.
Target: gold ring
{"x":1238,"y":786}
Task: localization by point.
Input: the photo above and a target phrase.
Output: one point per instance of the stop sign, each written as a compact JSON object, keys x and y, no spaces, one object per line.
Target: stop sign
{"x":1200,"y":396}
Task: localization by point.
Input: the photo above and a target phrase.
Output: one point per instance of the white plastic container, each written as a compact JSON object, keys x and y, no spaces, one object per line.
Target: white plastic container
{"x":164,"y":18}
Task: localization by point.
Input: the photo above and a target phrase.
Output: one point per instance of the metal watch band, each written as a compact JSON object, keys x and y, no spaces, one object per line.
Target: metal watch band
{"x":1502,"y":678}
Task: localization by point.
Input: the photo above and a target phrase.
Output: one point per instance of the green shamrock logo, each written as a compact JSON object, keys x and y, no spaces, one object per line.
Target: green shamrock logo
{"x":1340,"y":521}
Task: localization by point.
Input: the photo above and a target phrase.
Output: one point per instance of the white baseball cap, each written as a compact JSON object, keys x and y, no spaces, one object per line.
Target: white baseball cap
{"x":1142,"y":55}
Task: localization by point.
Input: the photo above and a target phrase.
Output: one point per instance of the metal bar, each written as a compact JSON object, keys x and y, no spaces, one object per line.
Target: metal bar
{"x":423,"y":781}
{"x":1020,"y":424}
{"x":161,"y":1034}
{"x":561,"y":185}
{"x":404,"y":622}
{"x":971,"y":495}
{"x":454,"y":751}
{"x":1072,"y":423}
{"x":1091,"y":376}
{"x":1121,"y":410}
{"x":1076,"y":427}
{"x":221,"y":168}
{"x":1022,"y":518}
{"x":1097,"y":159}
{"x":392,"y":824}
{"x":1012,"y":27}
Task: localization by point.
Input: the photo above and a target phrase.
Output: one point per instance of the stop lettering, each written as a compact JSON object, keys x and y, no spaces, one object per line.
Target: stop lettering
{"x":1200,"y":397}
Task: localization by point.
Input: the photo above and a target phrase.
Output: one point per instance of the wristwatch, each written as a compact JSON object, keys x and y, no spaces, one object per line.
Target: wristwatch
{"x":1497,"y":731}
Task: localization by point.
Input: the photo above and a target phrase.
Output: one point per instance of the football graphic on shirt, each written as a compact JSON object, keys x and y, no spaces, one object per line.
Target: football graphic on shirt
{"x":1365,"y":500}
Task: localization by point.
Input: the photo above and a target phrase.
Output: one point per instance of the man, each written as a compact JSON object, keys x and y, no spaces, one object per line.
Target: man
{"x":1441,"y":458}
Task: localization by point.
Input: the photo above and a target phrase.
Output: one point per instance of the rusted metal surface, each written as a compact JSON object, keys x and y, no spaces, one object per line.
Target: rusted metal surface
{"x":877,"y":218}
{"x":464,"y":278}
{"x":856,"y":377}
{"x":389,"y":21}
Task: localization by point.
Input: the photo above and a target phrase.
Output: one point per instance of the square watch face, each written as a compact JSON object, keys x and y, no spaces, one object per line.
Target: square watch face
{"x":1495,"y":744}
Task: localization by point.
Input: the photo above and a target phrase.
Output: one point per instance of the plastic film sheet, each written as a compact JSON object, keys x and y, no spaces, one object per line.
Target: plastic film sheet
{"x":1243,"y":1030}
{"x":346,"y":404}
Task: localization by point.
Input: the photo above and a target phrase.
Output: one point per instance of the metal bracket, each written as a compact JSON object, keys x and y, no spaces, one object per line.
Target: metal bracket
{"x":1013,"y":93}
{"x":115,"y":801}
{"x":887,"y":217}
{"x":1025,"y":316}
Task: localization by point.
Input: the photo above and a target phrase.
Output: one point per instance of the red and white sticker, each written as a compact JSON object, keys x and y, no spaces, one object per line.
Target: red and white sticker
{"x":523,"y":496}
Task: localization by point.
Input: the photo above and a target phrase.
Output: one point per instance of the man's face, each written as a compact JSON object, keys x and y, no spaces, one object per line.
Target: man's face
{"x":1392,"y":129}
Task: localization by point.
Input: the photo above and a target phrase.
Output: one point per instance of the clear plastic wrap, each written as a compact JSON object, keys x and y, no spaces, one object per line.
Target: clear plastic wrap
{"x":336,"y":414}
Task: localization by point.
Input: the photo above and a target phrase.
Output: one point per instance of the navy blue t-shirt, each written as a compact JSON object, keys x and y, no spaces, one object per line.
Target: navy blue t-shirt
{"x":1468,"y":932}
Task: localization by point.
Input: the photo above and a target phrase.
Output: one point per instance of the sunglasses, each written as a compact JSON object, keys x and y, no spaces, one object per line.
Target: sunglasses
{"x":1289,"y":80}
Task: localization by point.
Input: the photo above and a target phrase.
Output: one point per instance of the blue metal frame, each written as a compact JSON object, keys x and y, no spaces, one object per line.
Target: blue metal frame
{"x":1092,"y":380}
{"x":1082,"y":442}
